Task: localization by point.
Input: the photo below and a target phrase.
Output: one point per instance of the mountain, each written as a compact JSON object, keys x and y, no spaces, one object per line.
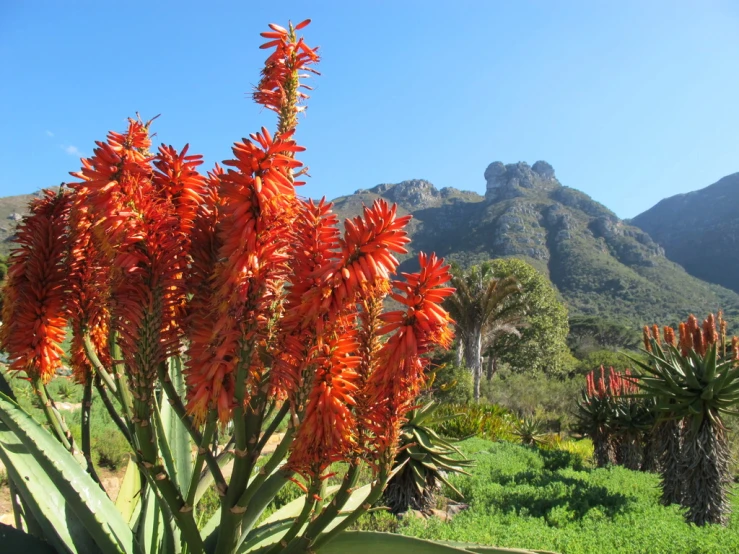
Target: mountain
{"x":601,"y":265}
{"x":700,"y":231}
{"x":12,"y":208}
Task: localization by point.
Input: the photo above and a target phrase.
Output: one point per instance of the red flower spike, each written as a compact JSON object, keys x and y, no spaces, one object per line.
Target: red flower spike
{"x":89,"y":295}
{"x":669,"y":334}
{"x":278,"y":89}
{"x":327,"y":433}
{"x":710,"y":335}
{"x":394,"y":385}
{"x":34,"y":314}
{"x":647,"y":336}
{"x":140,"y":237}
{"x":254,"y":221}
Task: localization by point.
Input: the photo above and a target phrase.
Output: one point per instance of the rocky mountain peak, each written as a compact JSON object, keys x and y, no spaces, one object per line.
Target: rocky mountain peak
{"x":415,"y":192}
{"x":512,"y":180}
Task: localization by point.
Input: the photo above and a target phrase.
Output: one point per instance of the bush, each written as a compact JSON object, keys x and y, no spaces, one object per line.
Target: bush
{"x":523,"y":497}
{"x":452,"y":384}
{"x":475,"y":420}
{"x":548,"y":398}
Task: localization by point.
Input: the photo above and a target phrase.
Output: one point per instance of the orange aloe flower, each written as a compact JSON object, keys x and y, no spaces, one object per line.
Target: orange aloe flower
{"x":710,"y":335}
{"x":255,"y":215}
{"x":327,"y":432}
{"x":364,"y":260}
{"x":139,"y":235}
{"x":279,"y":88}
{"x":89,"y":291}
{"x":669,"y":333}
{"x":177,"y":179}
{"x":422,"y":326}
{"x":647,"y":335}
{"x":34,"y":313}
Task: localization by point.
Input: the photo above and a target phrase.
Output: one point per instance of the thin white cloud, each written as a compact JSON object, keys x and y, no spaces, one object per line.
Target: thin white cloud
{"x":49,"y":133}
{"x":72,"y":150}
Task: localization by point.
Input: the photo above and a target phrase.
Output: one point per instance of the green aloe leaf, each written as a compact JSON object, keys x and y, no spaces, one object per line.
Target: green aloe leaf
{"x":370,"y":542}
{"x":129,"y":495}
{"x":480,"y":549}
{"x":293,"y":509}
{"x":177,"y":436}
{"x":82,"y":495}
{"x":265,"y":535}
{"x":46,"y":504}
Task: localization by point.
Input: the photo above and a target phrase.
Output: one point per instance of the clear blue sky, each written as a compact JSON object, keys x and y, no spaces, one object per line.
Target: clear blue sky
{"x":630,"y":101}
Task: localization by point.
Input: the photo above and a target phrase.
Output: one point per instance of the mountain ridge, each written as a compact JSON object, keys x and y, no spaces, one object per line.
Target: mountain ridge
{"x":700,"y":230}
{"x":601,"y":264}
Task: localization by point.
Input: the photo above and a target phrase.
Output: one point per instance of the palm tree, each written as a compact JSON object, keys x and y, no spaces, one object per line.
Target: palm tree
{"x":481,"y":306}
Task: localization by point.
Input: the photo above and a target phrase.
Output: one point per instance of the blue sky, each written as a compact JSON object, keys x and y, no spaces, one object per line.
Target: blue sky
{"x":629,"y":101}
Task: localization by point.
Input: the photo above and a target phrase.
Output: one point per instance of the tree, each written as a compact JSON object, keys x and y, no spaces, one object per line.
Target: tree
{"x":482,"y":303}
{"x":589,"y":333}
{"x":542,"y":343}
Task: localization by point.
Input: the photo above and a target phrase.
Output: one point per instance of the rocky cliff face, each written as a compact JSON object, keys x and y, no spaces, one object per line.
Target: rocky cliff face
{"x":512,"y":180}
{"x":700,"y":231}
{"x":601,"y":264}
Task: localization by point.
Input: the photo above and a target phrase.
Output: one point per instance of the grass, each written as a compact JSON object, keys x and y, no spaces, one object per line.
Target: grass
{"x":528,"y":498}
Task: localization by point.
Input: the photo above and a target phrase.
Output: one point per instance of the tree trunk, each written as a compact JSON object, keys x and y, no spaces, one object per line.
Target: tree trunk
{"x":669,"y":460}
{"x":492,"y":366}
{"x":705,"y":472}
{"x":650,"y":461}
{"x":460,"y":353}
{"x":630,"y":451}
{"x":472,"y":358}
{"x":602,"y":449}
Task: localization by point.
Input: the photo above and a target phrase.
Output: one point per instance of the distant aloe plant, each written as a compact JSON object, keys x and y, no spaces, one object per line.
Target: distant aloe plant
{"x":694,"y":379}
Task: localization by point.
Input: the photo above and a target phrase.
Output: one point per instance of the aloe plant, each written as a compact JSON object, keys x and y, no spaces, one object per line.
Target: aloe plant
{"x":530,"y":430}
{"x":694,"y":379}
{"x":423,"y":462}
{"x":594,"y":415}
{"x":204,"y":306}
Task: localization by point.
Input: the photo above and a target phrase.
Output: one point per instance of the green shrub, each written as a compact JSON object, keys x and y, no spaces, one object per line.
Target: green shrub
{"x":379,"y":520}
{"x":525,"y":497}
{"x":475,"y":420}
{"x":452,"y":384}
{"x":548,"y":398}
{"x":209,"y":504}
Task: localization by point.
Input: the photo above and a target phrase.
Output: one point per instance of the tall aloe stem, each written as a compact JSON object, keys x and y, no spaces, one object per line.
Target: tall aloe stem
{"x":97,"y":364}
{"x":86,"y":450}
{"x":112,"y":412}
{"x":203,"y":449}
{"x":179,"y":408}
{"x":52,"y":416}
{"x":332,"y":509}
{"x":705,"y":472}
{"x":168,"y":490}
{"x":374,"y":495}
{"x":670,"y":446}
{"x":311,"y":500}
{"x":231,"y":512}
